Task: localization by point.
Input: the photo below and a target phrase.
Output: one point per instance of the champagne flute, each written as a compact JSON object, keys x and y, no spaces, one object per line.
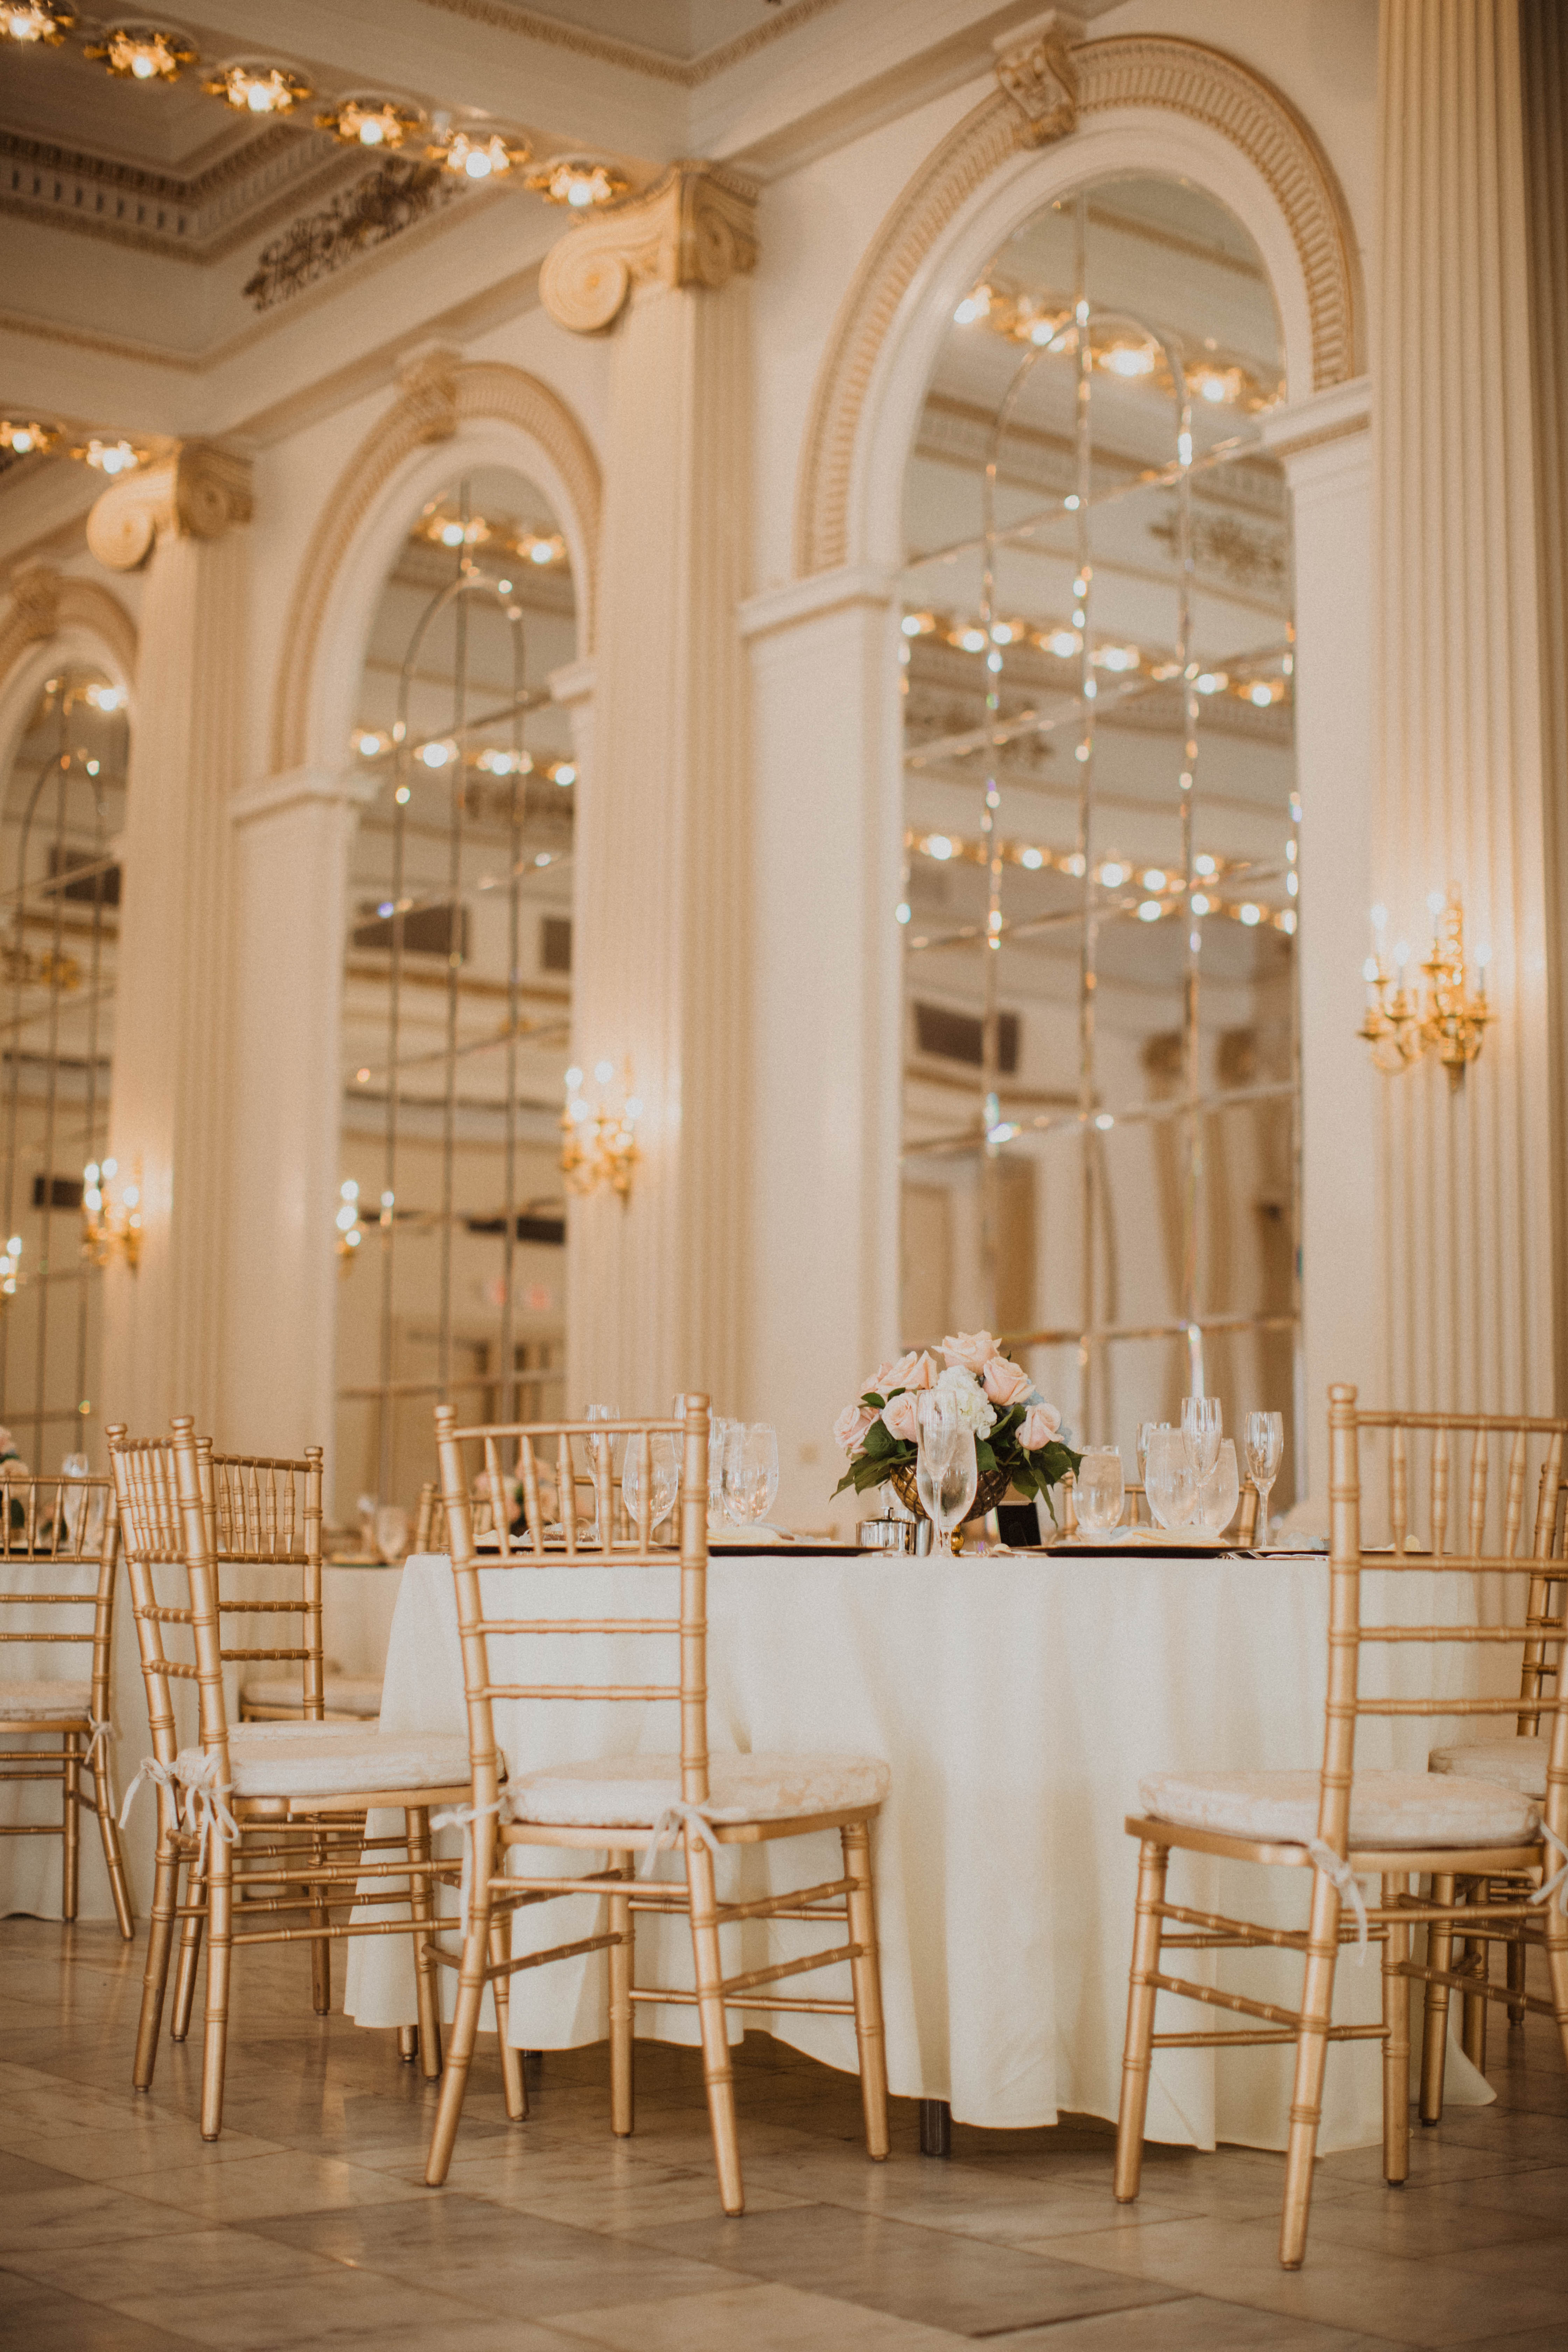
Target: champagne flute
{"x":1264,"y":1440}
{"x":1202,"y":1426}
{"x":946,"y":1471}
{"x":1171,"y":1487}
{"x":1101,"y":1489}
{"x":601,"y":1461}
{"x":750,"y":1471}
{"x":717,"y":1438}
{"x":1221,"y":1491}
{"x":1145,"y":1431}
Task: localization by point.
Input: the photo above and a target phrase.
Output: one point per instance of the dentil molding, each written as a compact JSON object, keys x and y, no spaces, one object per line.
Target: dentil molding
{"x":696,"y":226}
{"x":43,"y":602}
{"x":199,"y":492}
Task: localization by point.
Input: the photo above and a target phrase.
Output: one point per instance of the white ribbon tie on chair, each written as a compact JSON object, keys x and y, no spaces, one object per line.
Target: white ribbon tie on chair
{"x":1339,"y":1873}
{"x":199,"y":1802}
{"x":98,"y":1731}
{"x":680,"y":1815}
{"x":464,"y":1818}
{"x":1558,"y":1883}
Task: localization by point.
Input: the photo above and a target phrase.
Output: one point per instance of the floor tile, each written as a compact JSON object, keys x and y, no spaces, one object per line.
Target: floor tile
{"x":758,"y":2318}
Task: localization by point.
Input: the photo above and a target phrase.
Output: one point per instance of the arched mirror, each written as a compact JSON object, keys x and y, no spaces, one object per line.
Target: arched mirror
{"x":1099,"y":909}
{"x":457,"y":1010}
{"x":61,"y":815}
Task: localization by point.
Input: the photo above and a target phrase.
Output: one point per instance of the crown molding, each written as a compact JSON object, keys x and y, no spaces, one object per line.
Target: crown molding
{"x":200,"y":218}
{"x":681,"y":73}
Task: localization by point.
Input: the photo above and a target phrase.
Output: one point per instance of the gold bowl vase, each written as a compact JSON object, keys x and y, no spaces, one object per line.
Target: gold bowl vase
{"x":989,"y":1489}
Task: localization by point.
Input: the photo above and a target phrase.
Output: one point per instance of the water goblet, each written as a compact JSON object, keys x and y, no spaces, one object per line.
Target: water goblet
{"x":946,"y":1471}
{"x":392,"y":1533}
{"x":1221,"y":1491}
{"x":1100,"y":1490}
{"x":1264,"y":1440}
{"x":1172,"y":1483}
{"x":750,"y":1471}
{"x":663,"y":1472}
{"x":1201,"y":1426}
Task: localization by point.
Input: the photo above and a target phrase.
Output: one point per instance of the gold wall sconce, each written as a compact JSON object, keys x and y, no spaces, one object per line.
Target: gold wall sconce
{"x":598,"y":1136}
{"x":111,"y":1215}
{"x":1447,"y":1016}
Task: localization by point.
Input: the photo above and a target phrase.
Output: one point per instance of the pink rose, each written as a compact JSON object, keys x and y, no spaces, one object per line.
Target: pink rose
{"x":852,"y":1424}
{"x":1004,"y":1382}
{"x":1040,"y":1424}
{"x":901,"y":1415}
{"x":973,"y":1349}
{"x":915,"y":1370}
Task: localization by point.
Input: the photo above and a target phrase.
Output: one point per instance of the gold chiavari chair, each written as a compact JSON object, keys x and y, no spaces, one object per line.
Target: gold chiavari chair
{"x":430,"y":1520}
{"x":1519,"y":1763}
{"x":67,"y":1529}
{"x":1342,"y":1823}
{"x":247,"y":1529}
{"x":619,"y":1805}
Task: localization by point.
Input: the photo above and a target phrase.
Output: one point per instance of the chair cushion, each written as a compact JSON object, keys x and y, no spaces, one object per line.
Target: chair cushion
{"x":357,"y":1695}
{"x":1518,"y":1764}
{"x":1387,"y":1808}
{"x":44,"y":1701}
{"x":335,"y":1759}
{"x":631,"y":1791}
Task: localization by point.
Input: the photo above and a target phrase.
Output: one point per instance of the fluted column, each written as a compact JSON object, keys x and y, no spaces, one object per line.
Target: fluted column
{"x":1471,"y":1287}
{"x":161,"y":1322}
{"x":293,"y":836}
{"x":656,"y":1287}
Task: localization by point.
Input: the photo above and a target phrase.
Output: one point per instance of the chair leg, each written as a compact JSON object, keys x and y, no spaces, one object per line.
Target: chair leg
{"x":1557,"y":1968}
{"x":1475,"y":1955}
{"x":716,"y":2071}
{"x":321,"y":1946}
{"x":416,"y":1828}
{"x":1396,"y":2039}
{"x":160,"y":1942}
{"x":1434,"y":2009}
{"x":1154,"y":1862}
{"x":1312,"y":2050}
{"x":514,"y":2087}
{"x":623,"y":2097}
{"x":109,"y":1829}
{"x":70,"y":1826}
{"x":190,"y":1953}
{"x":1516,"y":1956}
{"x":465,"y":2031}
{"x":220,"y":1954}
{"x":866,"y":1977}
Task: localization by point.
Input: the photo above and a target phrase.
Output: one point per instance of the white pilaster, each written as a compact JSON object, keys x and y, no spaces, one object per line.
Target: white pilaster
{"x":826,"y":1027}
{"x":655,"y":1290}
{"x":292,"y":837}
{"x":162,"y":1322}
{"x":1460,"y":787}
{"x":1325,"y":445}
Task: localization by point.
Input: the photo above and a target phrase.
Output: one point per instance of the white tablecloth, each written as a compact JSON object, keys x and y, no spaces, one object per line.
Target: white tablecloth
{"x":1016,"y":1701}
{"x":357,"y":1605}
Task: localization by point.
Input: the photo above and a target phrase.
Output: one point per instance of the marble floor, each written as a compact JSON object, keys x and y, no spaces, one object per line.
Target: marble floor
{"x":307,"y":2223}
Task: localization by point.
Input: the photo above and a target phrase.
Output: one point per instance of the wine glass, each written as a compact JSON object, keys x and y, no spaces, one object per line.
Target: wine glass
{"x":646,"y":1510}
{"x":1264,"y":1441}
{"x":1220,"y":1491}
{"x":1170,"y":1481}
{"x":601,"y":1463}
{"x":1201,"y":1426}
{"x":718,"y":1439}
{"x":1101,"y":1489}
{"x":946,"y":1472}
{"x":392,"y":1533}
{"x":750,"y":1471}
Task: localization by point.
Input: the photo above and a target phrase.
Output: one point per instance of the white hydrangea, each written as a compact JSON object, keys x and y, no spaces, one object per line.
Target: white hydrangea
{"x":975,"y":1409}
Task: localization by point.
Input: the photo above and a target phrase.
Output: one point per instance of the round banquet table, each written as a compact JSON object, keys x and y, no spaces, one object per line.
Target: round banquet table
{"x":1016,"y":1698}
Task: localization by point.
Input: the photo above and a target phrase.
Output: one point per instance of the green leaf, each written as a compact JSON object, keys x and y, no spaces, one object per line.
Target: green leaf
{"x":879,"y":1442}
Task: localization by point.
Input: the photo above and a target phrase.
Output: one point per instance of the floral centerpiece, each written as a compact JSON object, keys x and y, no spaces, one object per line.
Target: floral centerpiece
{"x":1017,"y":1435}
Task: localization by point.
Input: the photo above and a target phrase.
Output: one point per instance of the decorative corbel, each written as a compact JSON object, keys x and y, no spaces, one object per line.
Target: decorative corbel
{"x":198,"y":492}
{"x":427,"y":380}
{"x":1036,"y":70}
{"x":36,"y":598}
{"x":696,"y":226}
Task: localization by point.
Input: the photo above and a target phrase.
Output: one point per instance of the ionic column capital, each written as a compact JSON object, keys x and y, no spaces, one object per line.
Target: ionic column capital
{"x":696,"y":226}
{"x":199,"y":491}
